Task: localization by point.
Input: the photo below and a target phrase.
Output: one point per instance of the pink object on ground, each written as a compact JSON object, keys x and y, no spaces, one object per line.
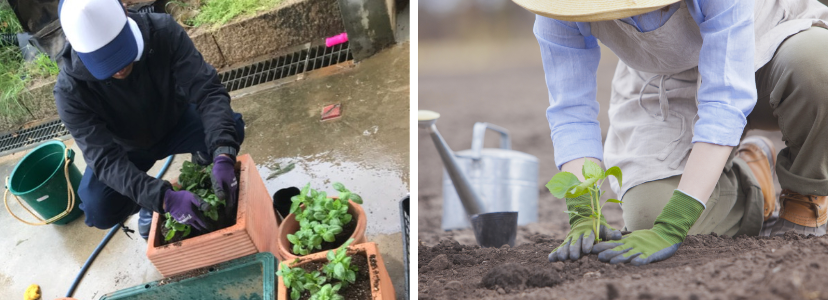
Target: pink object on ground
{"x":336,"y":40}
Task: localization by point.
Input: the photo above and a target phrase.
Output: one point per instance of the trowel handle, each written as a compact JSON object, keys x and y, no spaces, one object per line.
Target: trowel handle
{"x":480,"y":133}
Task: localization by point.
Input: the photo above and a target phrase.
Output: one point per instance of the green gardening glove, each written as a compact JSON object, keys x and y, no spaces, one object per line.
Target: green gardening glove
{"x":659,"y":243}
{"x":581,"y":235}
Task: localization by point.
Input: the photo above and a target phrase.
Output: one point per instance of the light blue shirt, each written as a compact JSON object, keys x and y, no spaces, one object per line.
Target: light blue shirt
{"x":726,"y":96}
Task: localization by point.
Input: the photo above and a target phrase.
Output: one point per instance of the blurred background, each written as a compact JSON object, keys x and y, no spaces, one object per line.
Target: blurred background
{"x":480,"y":62}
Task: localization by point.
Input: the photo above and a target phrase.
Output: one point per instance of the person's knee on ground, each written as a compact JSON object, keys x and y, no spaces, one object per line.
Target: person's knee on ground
{"x":644,"y":202}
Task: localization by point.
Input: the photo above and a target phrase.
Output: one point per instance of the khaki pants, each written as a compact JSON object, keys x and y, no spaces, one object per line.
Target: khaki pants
{"x":792,"y":98}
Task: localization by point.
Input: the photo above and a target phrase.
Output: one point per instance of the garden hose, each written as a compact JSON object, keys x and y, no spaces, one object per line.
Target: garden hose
{"x":69,"y":204}
{"x":108,"y":237}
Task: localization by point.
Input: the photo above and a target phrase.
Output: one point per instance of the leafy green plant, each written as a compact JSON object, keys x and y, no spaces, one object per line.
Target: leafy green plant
{"x":567,"y":185}
{"x":328,"y":292}
{"x":339,"y":265}
{"x":195,"y":179}
{"x":320,"y":218}
{"x":174,"y":227}
{"x":297,"y":280}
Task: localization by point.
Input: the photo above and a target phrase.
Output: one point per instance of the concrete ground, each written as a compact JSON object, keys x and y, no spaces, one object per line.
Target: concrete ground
{"x":367,"y":150}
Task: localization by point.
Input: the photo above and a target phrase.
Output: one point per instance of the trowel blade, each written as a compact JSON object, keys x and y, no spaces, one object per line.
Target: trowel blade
{"x":495,"y":229}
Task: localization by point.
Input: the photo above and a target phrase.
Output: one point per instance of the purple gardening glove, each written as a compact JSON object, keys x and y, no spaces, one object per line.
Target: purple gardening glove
{"x":186,"y":208}
{"x":225,"y":184}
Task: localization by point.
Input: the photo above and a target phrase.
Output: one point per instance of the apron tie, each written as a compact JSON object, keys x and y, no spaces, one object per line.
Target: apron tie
{"x":662,"y":97}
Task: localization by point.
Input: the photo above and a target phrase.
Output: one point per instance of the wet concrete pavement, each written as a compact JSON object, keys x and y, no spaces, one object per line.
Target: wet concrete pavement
{"x":367,"y":150}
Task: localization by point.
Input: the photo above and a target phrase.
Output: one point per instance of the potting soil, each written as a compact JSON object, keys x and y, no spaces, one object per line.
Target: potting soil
{"x":359,"y":290}
{"x":705,"y":267}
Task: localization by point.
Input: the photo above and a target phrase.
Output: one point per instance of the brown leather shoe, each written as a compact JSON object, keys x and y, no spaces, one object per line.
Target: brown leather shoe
{"x":760,"y":155}
{"x":805,"y":214}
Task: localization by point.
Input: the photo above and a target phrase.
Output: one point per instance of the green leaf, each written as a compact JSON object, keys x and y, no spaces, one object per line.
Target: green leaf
{"x":169,"y":236}
{"x":294,"y":294}
{"x":581,"y":188}
{"x":351,"y":277}
{"x":328,"y":237}
{"x":614,"y":171}
{"x":561,"y":183}
{"x":187,"y":231}
{"x":293,"y":239}
{"x":339,"y":187}
{"x":339,"y":271}
{"x":614,"y":201}
{"x":356,"y":198}
{"x":592,"y":170}
{"x":331,"y":256}
{"x":575,"y":212}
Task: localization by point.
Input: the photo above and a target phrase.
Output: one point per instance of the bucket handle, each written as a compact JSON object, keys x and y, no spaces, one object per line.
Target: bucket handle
{"x":479,"y":134}
{"x":68,"y":158}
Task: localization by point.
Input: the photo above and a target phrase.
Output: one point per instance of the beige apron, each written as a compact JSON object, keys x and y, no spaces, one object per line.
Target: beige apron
{"x":653,"y":105}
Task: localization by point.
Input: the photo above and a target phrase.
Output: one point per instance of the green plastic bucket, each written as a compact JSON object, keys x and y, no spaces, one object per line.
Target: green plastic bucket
{"x":39,"y":179}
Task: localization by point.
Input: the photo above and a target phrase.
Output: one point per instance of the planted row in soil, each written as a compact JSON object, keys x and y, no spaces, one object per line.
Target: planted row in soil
{"x":705,"y":267}
{"x":339,"y":238}
{"x":359,"y":290}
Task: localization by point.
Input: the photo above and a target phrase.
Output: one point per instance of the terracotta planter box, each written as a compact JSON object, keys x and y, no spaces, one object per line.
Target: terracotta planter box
{"x":381,"y":286}
{"x":290,"y":226}
{"x":254,"y":232}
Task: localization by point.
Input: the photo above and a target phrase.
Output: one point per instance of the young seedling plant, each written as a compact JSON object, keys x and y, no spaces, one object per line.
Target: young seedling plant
{"x":320,"y":218}
{"x":320,"y":287}
{"x":567,"y":185}
{"x":195,"y":179}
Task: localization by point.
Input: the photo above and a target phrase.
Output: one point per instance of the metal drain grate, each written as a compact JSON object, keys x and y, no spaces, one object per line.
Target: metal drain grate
{"x":312,"y":58}
{"x":404,"y":209}
{"x":34,"y":135}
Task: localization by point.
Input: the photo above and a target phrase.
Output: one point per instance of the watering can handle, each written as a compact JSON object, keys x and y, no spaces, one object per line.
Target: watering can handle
{"x":479,"y":134}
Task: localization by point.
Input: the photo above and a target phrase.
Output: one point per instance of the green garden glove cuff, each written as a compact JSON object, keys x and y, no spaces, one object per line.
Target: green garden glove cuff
{"x":581,"y":236}
{"x":659,"y":243}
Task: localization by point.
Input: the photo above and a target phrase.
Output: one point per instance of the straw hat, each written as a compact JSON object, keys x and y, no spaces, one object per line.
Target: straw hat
{"x":591,"y":10}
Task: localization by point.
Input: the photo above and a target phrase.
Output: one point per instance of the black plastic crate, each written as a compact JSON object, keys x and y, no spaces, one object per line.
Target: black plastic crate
{"x":404,"y":216}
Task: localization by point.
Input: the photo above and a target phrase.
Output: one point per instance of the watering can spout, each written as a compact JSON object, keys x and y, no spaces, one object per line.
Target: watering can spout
{"x":471,"y":200}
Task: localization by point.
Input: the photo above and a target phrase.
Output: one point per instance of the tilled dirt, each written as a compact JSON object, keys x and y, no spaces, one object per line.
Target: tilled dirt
{"x":705,"y":267}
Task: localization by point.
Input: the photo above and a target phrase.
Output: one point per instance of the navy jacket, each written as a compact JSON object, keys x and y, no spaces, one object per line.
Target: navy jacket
{"x":109,"y":118}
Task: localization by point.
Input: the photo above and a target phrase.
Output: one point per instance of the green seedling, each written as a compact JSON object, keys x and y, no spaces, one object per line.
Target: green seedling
{"x":297,"y":280}
{"x":339,"y":265}
{"x":173,"y":227}
{"x":567,"y":185}
{"x":328,"y":292}
{"x":320,"y":218}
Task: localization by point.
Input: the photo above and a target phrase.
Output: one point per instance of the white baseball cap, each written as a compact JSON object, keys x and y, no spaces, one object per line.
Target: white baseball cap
{"x":105,"y":39}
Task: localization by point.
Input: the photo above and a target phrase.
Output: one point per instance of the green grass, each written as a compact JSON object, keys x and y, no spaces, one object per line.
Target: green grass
{"x":218,"y":12}
{"x":15,"y":73}
{"x":8,"y":21}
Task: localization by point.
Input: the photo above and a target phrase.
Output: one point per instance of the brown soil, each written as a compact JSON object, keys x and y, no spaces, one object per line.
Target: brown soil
{"x":339,"y":239}
{"x":705,"y":267}
{"x":360,"y":290}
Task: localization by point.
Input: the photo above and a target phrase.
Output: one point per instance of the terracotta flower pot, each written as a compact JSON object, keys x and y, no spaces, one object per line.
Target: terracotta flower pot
{"x":291,"y":226}
{"x":381,"y":286}
{"x":253,"y":232}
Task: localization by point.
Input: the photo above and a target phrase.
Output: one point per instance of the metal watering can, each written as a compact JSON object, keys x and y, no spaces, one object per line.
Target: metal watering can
{"x":490,"y":185}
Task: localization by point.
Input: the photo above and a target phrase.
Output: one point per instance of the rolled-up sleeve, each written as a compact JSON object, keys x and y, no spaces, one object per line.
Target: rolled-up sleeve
{"x":728,"y":90}
{"x":570,"y":61}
